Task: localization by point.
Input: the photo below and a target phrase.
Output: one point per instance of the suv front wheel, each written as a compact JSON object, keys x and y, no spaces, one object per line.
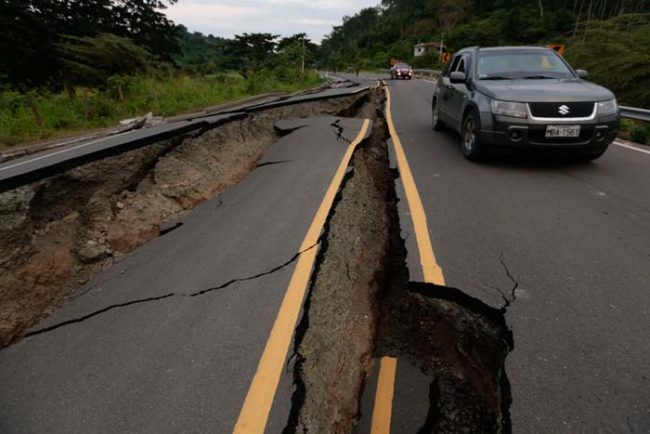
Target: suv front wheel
{"x":472,"y":147}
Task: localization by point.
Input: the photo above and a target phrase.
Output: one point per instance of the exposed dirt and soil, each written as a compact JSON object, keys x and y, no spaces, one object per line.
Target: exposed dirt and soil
{"x":57,"y":233}
{"x":335,"y":339}
{"x":460,"y":344}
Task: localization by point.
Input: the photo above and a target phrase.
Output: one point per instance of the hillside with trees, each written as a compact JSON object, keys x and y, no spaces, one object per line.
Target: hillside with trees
{"x":71,"y":65}
{"x":608,"y":37}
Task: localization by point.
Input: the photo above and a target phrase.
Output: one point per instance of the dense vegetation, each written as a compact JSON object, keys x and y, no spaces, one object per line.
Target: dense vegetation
{"x":93,"y":108}
{"x":69,"y":65}
{"x":610,"y":38}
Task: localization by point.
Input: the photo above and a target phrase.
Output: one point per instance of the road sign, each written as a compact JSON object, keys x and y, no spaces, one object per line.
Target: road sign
{"x":446,"y":56}
{"x":558,"y":47}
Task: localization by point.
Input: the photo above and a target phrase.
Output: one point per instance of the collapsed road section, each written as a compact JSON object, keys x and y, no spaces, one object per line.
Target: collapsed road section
{"x":171,"y":335}
{"x":169,"y":338}
{"x":58,"y":232}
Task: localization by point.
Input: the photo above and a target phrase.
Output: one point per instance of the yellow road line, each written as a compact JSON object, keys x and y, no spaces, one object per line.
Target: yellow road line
{"x":257,"y":405}
{"x":383,"y":407}
{"x":430,"y":268}
{"x":382,"y":411}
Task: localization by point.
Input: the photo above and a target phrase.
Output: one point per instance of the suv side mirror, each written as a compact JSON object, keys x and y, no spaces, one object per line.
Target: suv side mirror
{"x":582,"y":73}
{"x":457,"y":77}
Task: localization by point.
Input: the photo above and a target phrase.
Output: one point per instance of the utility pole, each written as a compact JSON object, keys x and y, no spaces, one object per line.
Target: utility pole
{"x":442,"y":43}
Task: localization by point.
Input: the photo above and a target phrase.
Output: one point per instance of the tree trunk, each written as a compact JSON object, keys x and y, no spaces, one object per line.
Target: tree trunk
{"x":541,"y":8}
{"x":34,"y":109}
{"x":584,"y":36}
{"x":68,"y":84}
{"x":575,"y":29}
{"x":86,"y":106}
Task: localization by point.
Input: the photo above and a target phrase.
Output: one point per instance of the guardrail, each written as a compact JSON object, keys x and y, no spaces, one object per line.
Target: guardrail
{"x":638,"y":114}
{"x":426,"y":73}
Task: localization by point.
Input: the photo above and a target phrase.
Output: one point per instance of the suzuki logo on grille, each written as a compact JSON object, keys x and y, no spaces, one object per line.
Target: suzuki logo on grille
{"x":564,"y":110}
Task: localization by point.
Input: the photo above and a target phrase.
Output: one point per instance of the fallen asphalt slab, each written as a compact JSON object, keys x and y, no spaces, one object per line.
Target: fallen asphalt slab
{"x":168,"y":339}
{"x":34,"y":167}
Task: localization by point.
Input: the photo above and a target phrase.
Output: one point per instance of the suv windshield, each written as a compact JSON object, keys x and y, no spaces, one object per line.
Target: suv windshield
{"x":401,"y":66}
{"x":538,"y":64}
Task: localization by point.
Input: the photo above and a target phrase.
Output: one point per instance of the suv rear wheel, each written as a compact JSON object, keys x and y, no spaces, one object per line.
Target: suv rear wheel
{"x":472,"y":147}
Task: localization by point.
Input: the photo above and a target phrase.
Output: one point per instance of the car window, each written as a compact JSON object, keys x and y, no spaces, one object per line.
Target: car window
{"x":454,"y":64}
{"x":445,"y":70}
{"x":461,"y":65}
{"x":520,"y":64}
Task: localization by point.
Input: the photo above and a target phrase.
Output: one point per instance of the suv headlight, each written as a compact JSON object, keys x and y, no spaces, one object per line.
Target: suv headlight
{"x":509,"y":108}
{"x":607,"y":107}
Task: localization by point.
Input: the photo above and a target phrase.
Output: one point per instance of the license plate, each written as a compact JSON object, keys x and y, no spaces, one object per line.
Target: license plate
{"x":562,"y":131}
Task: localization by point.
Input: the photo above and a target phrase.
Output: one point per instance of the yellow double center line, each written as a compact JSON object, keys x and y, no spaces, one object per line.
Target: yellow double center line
{"x":381,"y":415}
{"x":257,"y":406}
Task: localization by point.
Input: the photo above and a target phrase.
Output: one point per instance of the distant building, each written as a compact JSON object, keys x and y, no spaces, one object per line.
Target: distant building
{"x":427,"y":47}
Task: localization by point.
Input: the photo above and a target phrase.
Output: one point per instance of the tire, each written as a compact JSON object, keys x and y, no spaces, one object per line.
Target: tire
{"x":473,"y":149}
{"x":438,"y":125}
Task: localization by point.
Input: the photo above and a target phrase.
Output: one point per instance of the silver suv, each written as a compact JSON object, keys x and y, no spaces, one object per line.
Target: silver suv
{"x":523,"y":97}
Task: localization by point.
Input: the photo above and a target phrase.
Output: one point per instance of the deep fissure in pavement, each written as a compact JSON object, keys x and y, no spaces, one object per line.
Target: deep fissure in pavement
{"x":361,"y":306}
{"x":57,"y":233}
{"x":460,"y":344}
{"x":334,"y":347}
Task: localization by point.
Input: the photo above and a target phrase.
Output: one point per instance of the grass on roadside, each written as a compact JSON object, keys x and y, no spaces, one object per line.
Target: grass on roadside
{"x":635,"y":131}
{"x":62,"y":115}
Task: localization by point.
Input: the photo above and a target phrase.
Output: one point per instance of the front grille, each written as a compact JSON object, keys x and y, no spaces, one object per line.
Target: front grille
{"x":561,"y":109}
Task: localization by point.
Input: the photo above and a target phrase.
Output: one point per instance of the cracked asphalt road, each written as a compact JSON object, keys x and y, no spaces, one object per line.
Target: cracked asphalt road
{"x":169,"y":339}
{"x":565,"y":247}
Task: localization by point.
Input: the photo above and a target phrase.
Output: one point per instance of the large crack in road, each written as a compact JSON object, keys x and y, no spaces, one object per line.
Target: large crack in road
{"x":334,"y":344}
{"x":361,"y":306}
{"x":198,"y":293}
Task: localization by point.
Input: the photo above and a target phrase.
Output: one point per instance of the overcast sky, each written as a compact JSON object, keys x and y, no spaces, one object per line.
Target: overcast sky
{"x":281,"y":17}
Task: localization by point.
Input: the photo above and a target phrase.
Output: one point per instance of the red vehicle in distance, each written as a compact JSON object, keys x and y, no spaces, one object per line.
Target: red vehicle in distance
{"x":401,"y":71}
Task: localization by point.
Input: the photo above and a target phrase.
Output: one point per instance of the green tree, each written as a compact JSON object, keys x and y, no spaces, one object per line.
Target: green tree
{"x":615,"y":52}
{"x":92,"y":60}
{"x":296,"y":52}
{"x":203,"y":54}
{"x":30,"y":30}
{"x":254,"y":50}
